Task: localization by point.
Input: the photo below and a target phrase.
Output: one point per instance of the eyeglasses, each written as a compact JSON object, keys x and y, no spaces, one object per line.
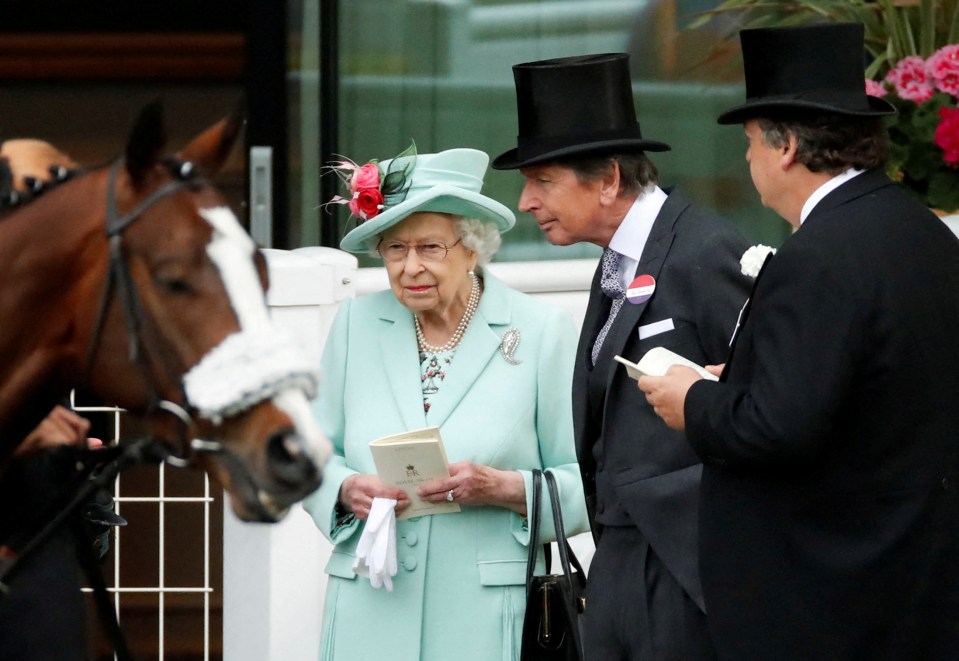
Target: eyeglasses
{"x":396,"y":251}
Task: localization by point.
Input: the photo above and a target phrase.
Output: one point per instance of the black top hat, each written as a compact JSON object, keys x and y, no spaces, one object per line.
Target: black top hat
{"x":574,"y":106}
{"x":809,"y":69}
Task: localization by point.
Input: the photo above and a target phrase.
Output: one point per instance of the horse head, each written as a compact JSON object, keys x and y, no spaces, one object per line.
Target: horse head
{"x":167,"y":318}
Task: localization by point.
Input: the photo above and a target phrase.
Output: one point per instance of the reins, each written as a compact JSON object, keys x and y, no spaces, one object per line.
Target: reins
{"x":95,"y":472}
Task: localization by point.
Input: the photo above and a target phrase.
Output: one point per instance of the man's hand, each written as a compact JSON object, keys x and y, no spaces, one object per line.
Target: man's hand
{"x":667,"y":394}
{"x":61,"y":427}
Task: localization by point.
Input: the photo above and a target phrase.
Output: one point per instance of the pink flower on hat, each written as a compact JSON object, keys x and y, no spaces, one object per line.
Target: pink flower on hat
{"x":947,"y":135}
{"x":910,"y":79}
{"x":367,"y":200}
{"x":366,"y":203}
{"x":943,"y":67}
{"x":371,"y":189}
{"x":365,"y":176}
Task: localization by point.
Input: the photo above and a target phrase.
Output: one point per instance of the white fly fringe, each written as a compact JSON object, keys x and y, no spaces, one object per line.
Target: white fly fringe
{"x":243,"y":370}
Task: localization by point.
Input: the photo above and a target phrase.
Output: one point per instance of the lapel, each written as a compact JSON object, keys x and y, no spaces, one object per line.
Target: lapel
{"x":651,"y":263}
{"x":597,"y":310}
{"x":397,"y":345}
{"x":479,"y":345}
{"x":743,"y":315}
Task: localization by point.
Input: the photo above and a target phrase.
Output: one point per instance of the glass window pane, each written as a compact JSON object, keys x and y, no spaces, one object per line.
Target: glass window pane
{"x":303,"y":84}
{"x":440,"y":72}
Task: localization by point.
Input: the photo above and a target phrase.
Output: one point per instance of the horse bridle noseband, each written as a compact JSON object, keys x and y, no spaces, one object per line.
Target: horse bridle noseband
{"x":119,"y":277}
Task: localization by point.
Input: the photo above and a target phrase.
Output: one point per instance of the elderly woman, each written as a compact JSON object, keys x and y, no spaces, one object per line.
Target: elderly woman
{"x":449,"y":346}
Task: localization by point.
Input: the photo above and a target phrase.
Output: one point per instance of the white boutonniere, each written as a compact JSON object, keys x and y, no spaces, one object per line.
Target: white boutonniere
{"x":753,"y":259}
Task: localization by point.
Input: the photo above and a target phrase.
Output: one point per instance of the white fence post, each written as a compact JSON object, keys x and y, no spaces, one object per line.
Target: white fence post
{"x":273,"y":579}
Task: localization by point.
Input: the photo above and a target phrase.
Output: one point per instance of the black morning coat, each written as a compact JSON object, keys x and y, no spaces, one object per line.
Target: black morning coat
{"x":830,"y":493}
{"x":694,"y":257}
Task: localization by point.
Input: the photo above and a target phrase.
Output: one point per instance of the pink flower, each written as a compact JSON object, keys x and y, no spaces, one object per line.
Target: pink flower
{"x":365,"y":176}
{"x":875,"y":89}
{"x":943,"y":67}
{"x":367,"y":200}
{"x":370,"y":186}
{"x":366,"y":203}
{"x":909,"y":79}
{"x":947,"y":136}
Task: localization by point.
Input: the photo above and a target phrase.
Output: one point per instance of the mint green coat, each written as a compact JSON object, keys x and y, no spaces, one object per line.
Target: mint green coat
{"x":460,"y":589}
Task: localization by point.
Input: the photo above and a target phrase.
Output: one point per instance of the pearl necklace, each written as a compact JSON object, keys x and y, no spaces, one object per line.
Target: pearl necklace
{"x":454,"y":341}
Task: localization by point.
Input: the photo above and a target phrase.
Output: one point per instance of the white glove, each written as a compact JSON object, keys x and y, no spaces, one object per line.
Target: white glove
{"x":376,"y":550}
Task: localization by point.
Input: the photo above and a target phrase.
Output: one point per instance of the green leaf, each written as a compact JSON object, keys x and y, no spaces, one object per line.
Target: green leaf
{"x":927,"y":27}
{"x":952,"y":36}
{"x":891,"y":30}
{"x":396,"y":181}
{"x":944,"y":190}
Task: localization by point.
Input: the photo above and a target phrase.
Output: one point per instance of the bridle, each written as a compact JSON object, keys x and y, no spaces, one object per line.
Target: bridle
{"x":212,"y":389}
{"x":120,"y":279}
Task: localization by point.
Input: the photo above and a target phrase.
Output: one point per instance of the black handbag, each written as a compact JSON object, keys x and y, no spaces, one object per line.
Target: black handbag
{"x":554,"y":602}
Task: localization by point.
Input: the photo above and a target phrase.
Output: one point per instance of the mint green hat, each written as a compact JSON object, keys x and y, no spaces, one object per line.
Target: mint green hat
{"x":446,"y":182}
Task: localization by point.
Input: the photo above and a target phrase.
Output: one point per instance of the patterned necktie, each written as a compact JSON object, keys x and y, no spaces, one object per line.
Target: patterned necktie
{"x":612,"y":286}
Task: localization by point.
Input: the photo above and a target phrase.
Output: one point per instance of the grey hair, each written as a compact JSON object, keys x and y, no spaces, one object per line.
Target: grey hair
{"x":480,"y":236}
{"x":636,"y":172}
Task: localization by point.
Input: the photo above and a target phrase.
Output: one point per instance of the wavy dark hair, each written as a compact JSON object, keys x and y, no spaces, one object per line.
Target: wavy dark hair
{"x":830,"y":143}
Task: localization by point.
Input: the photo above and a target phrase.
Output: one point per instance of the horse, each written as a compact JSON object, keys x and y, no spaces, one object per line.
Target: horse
{"x":133,"y":281}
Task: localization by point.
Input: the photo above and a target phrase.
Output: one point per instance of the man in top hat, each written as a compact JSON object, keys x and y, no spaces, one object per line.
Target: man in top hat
{"x":669,"y":276}
{"x":830,"y":494}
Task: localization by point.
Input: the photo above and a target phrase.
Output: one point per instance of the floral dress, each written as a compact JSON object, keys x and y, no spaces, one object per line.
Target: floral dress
{"x":433,"y":368}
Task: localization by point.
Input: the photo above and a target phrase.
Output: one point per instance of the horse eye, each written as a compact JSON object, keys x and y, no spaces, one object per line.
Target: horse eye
{"x":175,"y":285}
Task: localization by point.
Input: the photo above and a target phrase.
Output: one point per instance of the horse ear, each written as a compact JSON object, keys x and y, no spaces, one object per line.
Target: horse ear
{"x":210,"y":149}
{"x":146,"y":142}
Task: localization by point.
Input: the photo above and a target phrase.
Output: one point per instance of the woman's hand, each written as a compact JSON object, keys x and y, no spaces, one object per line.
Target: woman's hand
{"x":358,"y":491}
{"x":475,"y":484}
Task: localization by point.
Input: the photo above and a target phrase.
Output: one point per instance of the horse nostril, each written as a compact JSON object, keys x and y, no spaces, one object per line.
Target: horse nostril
{"x":289,"y":463}
{"x":283,"y":448}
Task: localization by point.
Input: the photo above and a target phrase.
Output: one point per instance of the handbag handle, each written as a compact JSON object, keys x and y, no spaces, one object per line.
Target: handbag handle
{"x":534,"y":526}
{"x":566,"y":555}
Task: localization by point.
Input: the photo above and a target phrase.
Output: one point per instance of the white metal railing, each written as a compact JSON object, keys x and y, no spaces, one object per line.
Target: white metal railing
{"x":126,"y":583}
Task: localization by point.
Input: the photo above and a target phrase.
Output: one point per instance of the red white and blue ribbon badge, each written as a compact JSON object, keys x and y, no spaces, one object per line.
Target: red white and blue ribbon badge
{"x":641,"y":289}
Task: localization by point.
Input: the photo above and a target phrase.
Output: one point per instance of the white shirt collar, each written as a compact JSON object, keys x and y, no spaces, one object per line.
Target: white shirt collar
{"x":630,"y":237}
{"x":825,"y":190}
